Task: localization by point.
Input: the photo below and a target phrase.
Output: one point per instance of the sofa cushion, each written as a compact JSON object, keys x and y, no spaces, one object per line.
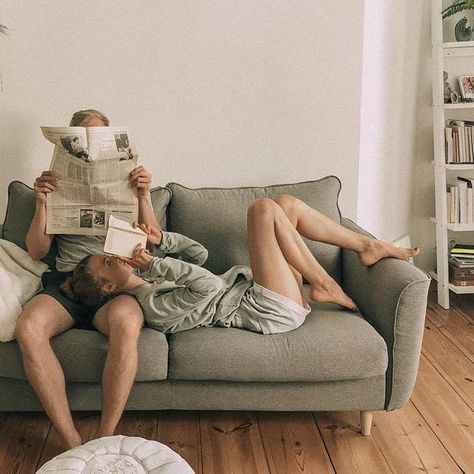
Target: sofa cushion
{"x":20,"y":211}
{"x":332,"y":344}
{"x":21,"y":208}
{"x":82,"y":355}
{"x":217,"y":218}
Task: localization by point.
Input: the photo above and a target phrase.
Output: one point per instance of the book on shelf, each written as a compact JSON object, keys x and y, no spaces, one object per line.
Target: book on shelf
{"x":460,"y":201}
{"x":461,"y":273}
{"x":465,"y":199}
{"x":461,"y":262}
{"x":457,"y":282}
{"x":462,"y":248}
{"x":459,"y":141}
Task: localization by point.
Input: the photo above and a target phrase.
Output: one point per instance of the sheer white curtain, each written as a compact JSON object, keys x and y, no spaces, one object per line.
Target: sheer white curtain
{"x":393,"y":47}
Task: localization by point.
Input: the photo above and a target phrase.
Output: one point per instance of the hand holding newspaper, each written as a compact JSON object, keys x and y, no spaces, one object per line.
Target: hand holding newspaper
{"x":122,"y":238}
{"x":93,"y":164}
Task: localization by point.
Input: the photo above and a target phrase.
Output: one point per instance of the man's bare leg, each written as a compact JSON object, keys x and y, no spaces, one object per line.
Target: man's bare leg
{"x":42,"y":318}
{"x":316,"y":226}
{"x":121,"y":320}
{"x":277,"y":251}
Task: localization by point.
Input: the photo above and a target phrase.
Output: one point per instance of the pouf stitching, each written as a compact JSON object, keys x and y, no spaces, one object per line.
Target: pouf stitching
{"x":139,"y":446}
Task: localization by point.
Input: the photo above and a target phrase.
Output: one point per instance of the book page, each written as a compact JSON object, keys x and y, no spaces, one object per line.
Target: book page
{"x":122,"y":238}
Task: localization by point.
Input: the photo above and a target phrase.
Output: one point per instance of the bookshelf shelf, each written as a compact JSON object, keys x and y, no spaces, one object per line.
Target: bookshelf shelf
{"x":461,"y":105}
{"x":454,"y":227}
{"x":454,"y":58}
{"x":460,"y":166}
{"x":459,"y":290}
{"x":458,"y":44}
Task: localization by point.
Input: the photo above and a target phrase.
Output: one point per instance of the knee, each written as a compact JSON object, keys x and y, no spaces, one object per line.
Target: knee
{"x":286,"y":201}
{"x":261,"y":208}
{"x":29,"y":333}
{"x":125,"y":323}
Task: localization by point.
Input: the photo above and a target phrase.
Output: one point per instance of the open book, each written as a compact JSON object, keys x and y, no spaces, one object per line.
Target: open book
{"x":93,"y":164}
{"x":122,"y":238}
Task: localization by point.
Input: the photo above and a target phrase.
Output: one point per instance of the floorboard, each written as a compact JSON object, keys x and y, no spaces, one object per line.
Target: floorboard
{"x":293,"y":443}
{"x":450,"y":362}
{"x":350,"y":452}
{"x":22,"y":440}
{"x":180,"y":431}
{"x":231,"y":444}
{"x":408,"y":443}
{"x":447,"y":414}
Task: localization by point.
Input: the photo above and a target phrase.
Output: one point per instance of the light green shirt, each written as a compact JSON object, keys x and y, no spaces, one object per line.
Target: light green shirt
{"x":73,"y":248}
{"x":178,"y":294}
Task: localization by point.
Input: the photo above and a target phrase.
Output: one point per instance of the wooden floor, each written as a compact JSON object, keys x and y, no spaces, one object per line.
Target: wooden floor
{"x":434,"y":432}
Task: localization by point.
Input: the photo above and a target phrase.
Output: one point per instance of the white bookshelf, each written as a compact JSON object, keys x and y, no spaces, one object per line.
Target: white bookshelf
{"x":444,"y":56}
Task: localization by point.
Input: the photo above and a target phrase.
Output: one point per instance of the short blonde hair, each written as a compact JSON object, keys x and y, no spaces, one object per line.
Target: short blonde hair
{"x":87,"y":114}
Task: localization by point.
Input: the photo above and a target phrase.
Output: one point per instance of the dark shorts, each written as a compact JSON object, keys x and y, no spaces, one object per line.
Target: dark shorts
{"x":82,"y":315}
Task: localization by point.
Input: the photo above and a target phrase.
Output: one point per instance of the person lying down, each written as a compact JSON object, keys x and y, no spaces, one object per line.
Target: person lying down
{"x":177,"y":294}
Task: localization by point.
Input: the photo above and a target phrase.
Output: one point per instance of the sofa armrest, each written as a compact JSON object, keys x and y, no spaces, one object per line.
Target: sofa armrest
{"x":392,"y":296}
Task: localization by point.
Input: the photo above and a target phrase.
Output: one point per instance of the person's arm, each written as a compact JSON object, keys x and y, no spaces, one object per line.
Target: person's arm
{"x":191,"y":290}
{"x":38,"y":242}
{"x":177,"y":245}
{"x":140,"y":180}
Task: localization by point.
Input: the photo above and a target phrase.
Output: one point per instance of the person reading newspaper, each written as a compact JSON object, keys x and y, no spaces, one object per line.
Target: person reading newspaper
{"x":177,"y":294}
{"x":50,"y":312}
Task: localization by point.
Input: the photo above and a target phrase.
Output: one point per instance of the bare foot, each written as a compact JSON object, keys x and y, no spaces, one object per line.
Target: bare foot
{"x":375,"y":250}
{"x":330,"y":292}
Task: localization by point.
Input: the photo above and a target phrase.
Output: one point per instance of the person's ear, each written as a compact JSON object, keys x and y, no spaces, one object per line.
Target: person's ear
{"x":109,"y":288}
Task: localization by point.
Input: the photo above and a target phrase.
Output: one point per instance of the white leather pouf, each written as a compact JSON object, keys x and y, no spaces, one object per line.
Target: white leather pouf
{"x":119,"y":455}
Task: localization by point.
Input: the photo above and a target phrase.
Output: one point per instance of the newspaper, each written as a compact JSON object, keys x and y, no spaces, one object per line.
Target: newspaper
{"x":92,"y":165}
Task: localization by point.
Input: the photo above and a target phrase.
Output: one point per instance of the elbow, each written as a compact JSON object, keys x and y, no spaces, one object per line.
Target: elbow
{"x":202,"y":257}
{"x":34,"y":252}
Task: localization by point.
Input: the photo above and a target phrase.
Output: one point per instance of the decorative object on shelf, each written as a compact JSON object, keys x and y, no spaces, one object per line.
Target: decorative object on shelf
{"x":466,"y":86}
{"x":467,"y":99}
{"x":455,"y":22}
{"x":454,"y":97}
{"x":462,"y":32}
{"x":447,"y":88}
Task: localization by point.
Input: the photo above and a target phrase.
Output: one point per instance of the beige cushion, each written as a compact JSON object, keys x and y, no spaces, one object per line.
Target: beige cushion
{"x":216,"y":217}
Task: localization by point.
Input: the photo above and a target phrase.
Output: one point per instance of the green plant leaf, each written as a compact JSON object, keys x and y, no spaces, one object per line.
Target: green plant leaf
{"x":456,"y":7}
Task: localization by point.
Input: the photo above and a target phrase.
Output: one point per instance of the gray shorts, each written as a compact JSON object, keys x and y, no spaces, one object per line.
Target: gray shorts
{"x":264,"y":311}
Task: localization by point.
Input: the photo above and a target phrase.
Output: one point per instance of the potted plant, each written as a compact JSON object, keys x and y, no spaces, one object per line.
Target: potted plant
{"x":455,"y":23}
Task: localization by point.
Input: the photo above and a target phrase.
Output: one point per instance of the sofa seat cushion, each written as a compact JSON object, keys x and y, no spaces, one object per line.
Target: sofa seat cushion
{"x":82,"y":355}
{"x":217,"y":218}
{"x":332,"y":344}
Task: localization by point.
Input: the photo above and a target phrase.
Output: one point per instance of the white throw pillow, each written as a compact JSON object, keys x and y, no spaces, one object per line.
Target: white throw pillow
{"x":19,"y":281}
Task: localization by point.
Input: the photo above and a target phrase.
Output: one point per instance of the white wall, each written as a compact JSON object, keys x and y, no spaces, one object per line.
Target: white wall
{"x":217,"y":93}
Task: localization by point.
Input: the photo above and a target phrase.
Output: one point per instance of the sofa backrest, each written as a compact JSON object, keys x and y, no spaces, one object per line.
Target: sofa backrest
{"x":216,"y":217}
{"x":21,"y":208}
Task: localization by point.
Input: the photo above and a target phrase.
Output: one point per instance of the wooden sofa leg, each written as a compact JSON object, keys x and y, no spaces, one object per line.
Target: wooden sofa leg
{"x":366,"y":422}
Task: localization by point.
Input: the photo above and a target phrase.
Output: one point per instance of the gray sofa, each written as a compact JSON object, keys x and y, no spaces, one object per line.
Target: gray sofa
{"x":337,"y":360}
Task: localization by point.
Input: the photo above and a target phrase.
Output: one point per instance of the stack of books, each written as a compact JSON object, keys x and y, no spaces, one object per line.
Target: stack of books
{"x":461,"y":265}
{"x":460,"y":201}
{"x":459,"y":141}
